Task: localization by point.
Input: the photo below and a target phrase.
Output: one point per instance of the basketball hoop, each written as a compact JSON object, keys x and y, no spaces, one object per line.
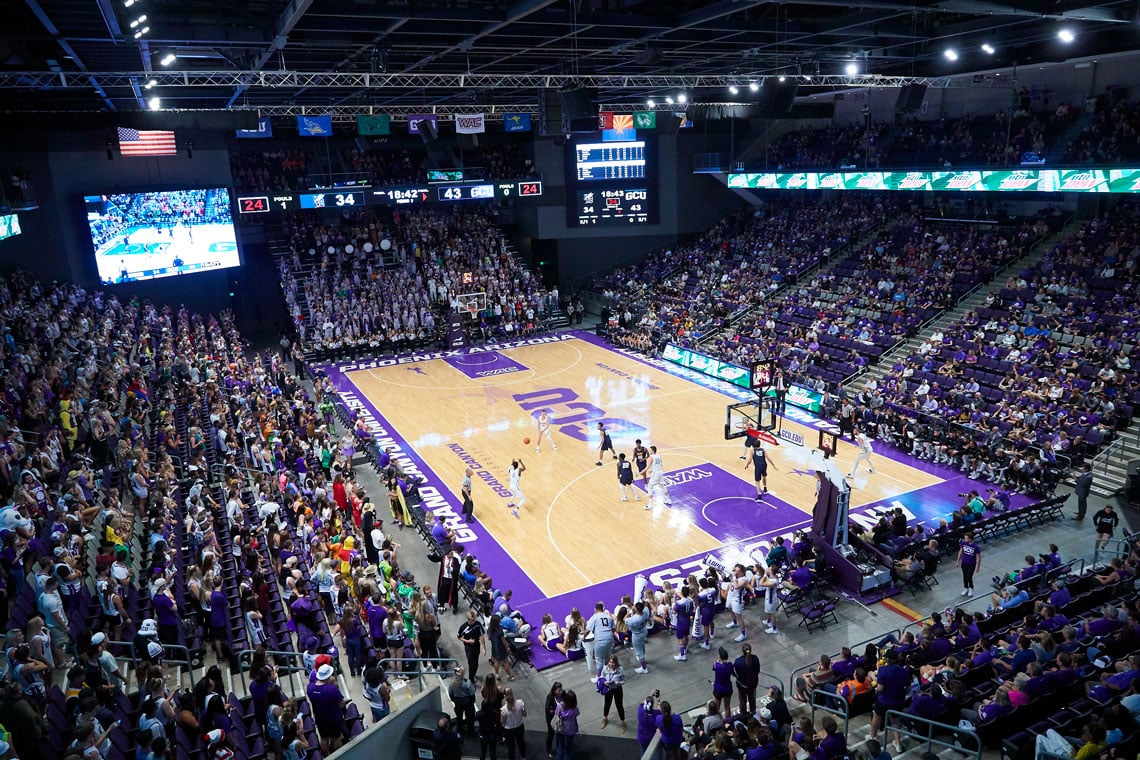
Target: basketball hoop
{"x":473,"y":310}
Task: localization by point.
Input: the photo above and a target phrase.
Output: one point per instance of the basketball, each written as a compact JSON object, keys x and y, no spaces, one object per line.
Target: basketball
{"x":526,"y":440}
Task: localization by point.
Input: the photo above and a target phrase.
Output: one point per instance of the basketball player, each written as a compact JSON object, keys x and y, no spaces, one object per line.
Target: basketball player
{"x":657,"y":478}
{"x":605,"y":445}
{"x":863,"y":441}
{"x":625,"y":478}
{"x":465,"y":489}
{"x":760,"y":468}
{"x":544,"y":430}
{"x":641,"y":462}
{"x":518,"y":498}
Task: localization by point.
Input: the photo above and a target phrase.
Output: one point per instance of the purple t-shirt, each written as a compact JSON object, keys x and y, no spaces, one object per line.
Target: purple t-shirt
{"x":832,"y":745}
{"x":969,"y":554}
{"x":569,"y":720}
{"x":219,"y":609}
{"x":325,"y":699}
{"x":377,"y":614}
{"x":894,"y":680}
{"x":646,"y":723}
{"x":165,"y":612}
{"x":672,"y":732}
{"x":722,"y":677}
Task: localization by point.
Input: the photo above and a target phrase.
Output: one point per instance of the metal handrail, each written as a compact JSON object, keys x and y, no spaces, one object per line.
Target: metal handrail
{"x":841,"y":708}
{"x":859,"y":647}
{"x":898,"y":722}
{"x":294,"y":664}
{"x":447,"y":665}
{"x":185,"y":663}
{"x":1121,"y":549}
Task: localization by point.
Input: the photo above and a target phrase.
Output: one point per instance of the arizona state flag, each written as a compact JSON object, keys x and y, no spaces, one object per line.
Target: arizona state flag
{"x":622,"y":121}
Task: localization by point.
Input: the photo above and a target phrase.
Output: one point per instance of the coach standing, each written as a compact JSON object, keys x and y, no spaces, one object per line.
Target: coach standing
{"x":1081,"y":489}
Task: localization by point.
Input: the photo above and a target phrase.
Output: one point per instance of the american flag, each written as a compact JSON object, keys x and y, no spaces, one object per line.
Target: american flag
{"x":134,"y":142}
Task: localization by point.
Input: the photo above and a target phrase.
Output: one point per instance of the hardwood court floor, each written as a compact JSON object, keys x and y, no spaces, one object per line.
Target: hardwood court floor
{"x":574,"y":530}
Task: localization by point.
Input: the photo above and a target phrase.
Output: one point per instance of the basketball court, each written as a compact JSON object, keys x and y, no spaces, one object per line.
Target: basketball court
{"x":575,"y":541}
{"x":146,"y":252}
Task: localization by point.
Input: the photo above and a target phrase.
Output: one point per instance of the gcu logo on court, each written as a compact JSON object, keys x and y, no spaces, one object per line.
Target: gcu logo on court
{"x":575,"y":418}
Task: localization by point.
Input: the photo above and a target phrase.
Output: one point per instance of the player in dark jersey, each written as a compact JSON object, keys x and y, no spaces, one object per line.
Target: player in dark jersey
{"x":606,"y":444}
{"x":625,"y":478}
{"x":760,"y":467}
{"x":641,"y":463}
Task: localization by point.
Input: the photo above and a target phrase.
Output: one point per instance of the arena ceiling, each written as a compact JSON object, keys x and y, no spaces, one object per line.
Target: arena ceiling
{"x":89,"y":55}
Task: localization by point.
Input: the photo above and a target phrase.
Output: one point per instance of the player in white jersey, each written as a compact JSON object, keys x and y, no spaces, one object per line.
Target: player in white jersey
{"x":544,"y":430}
{"x":656,"y":478}
{"x":518,"y":498}
{"x":863,"y":441}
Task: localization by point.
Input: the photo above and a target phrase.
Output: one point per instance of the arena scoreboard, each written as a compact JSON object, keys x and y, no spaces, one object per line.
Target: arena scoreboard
{"x":605,"y":161}
{"x":611,"y":184}
{"x":387,"y":196}
{"x":613,"y":205}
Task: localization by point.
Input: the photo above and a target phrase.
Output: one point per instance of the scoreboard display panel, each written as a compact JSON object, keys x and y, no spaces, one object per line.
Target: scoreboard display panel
{"x":611,"y":184}
{"x":606,"y":161}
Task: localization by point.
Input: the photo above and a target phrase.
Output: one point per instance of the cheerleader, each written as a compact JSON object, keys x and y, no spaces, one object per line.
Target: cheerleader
{"x":706,"y":600}
{"x":683,"y":622}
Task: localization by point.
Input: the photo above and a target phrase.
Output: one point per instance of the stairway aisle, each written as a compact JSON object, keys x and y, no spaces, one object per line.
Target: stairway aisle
{"x":882,"y":367}
{"x":819,"y":269}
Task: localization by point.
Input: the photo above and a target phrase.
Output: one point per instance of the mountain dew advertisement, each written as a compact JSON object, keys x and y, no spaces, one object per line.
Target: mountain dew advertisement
{"x":738,"y":376}
{"x":706,"y":365}
{"x":1003,"y":180}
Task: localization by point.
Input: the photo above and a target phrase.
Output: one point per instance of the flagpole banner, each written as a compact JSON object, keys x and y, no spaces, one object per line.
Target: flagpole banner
{"x":645,"y":119}
{"x":516,"y":122}
{"x":470,"y":123}
{"x":605,"y":119}
{"x":315,"y":126}
{"x":264,"y":130}
{"x":369,"y":126}
{"x":414,"y":120}
{"x":136,"y":142}
{"x":622,"y":121}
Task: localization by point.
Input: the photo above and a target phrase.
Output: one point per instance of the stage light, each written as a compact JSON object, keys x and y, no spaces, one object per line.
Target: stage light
{"x":782,"y":77}
{"x":733,"y":89}
{"x":650,"y":103}
{"x":129,"y":3}
{"x":852,"y":69}
{"x":137,"y":21}
{"x":753,"y":86}
{"x":951,"y":54}
{"x":681,"y":98}
{"x":141,"y":32}
{"x":154,"y":103}
{"x":669,"y":100}
{"x":151,"y":83}
{"x":988,"y":49}
{"x":168,"y":59}
{"x":1066,"y":35}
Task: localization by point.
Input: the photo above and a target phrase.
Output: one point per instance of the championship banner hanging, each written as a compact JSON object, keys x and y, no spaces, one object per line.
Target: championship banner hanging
{"x":470,"y":123}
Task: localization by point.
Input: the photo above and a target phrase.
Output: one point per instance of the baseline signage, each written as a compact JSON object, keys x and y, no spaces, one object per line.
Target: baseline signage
{"x":805,"y":398}
{"x":1004,"y":180}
